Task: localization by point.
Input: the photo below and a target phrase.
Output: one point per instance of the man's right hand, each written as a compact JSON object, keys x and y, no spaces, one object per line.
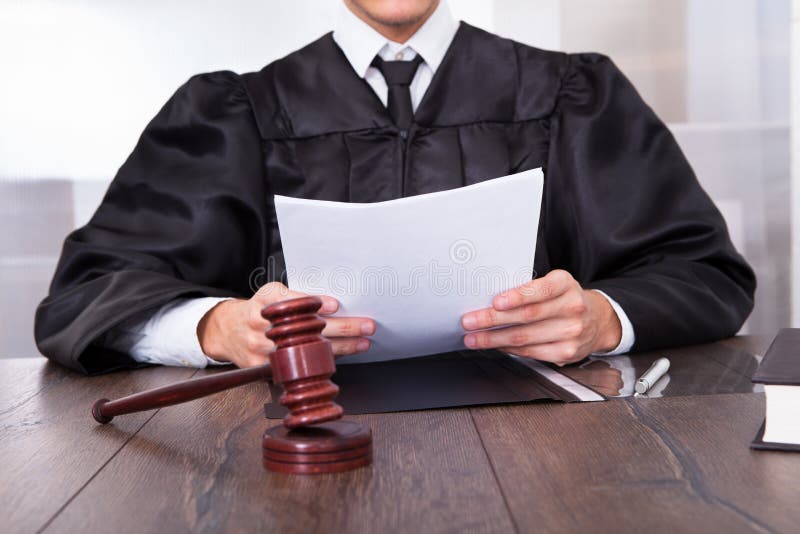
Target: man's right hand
{"x":234,"y":331}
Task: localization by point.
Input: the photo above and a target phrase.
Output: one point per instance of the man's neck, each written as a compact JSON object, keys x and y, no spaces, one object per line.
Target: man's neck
{"x":399,"y":33}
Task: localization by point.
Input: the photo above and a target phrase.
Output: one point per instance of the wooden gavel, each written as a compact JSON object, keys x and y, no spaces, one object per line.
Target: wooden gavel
{"x":105,"y":410}
{"x":312,"y":440}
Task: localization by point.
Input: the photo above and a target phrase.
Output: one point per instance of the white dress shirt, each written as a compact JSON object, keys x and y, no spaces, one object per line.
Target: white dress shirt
{"x":361,"y":43}
{"x":169,"y":336}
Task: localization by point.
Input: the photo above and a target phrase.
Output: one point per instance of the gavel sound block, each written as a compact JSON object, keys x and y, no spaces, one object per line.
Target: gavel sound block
{"x":312,"y":439}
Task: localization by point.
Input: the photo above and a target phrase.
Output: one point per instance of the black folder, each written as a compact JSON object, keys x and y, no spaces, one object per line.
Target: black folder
{"x":463,"y":378}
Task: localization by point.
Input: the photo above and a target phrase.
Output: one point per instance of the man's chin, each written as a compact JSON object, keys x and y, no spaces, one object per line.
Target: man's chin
{"x":395,"y":14}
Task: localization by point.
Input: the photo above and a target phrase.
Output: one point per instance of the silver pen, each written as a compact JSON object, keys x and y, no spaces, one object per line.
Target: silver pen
{"x":651,"y":376}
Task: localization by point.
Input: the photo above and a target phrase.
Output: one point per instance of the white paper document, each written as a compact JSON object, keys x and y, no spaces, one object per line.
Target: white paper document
{"x":415,"y":265}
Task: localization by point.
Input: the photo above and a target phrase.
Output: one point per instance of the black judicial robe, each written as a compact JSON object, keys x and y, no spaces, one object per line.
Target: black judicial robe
{"x":190,"y":213}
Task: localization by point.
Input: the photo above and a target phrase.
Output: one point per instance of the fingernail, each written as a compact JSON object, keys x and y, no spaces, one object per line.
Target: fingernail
{"x":502,"y":301}
{"x":362,"y":345}
{"x":469,"y":322}
{"x":328,"y":305}
{"x":470,"y":341}
{"x":368,"y":328}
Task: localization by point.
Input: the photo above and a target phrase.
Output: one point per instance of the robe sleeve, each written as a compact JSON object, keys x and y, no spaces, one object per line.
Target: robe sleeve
{"x":185,"y":216}
{"x":626,"y":214}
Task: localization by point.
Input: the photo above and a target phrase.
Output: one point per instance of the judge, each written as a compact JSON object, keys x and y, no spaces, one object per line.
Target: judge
{"x":399,"y":100}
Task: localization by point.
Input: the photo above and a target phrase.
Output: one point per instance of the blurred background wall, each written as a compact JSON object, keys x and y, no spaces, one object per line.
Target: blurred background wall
{"x":81,"y":78}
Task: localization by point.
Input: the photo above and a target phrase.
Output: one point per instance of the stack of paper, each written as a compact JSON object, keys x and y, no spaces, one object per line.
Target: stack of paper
{"x":415,"y":265}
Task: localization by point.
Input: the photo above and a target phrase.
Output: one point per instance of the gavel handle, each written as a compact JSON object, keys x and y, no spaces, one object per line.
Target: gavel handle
{"x":104,"y":410}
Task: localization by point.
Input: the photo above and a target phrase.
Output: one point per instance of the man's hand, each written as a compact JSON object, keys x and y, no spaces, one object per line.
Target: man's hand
{"x":550,"y":318}
{"x":234,"y":331}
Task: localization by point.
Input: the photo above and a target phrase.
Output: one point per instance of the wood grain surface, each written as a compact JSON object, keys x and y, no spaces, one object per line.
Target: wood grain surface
{"x":756,"y":344}
{"x":677,"y":464}
{"x":49,"y":444}
{"x":709,"y":438}
{"x":674,"y":464}
{"x":198,"y":467}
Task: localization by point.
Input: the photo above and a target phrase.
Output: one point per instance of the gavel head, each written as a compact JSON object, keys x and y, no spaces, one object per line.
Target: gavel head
{"x":302,"y":361}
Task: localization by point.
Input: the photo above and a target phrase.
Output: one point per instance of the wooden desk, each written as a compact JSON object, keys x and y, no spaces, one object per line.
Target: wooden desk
{"x":678,"y":464}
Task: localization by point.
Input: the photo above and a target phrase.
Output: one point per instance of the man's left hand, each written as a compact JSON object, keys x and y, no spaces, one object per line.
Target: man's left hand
{"x":551,"y":319}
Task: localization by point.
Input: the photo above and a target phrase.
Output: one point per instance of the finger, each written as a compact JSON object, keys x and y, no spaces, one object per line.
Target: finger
{"x":329,"y":305}
{"x":348,"y":327}
{"x":275,"y":292}
{"x":559,"y":352}
{"x":552,"y":285}
{"x":568,"y":303}
{"x":255,"y":321}
{"x":349,"y":345}
{"x":253,"y":360}
{"x":547,"y":331}
{"x":256,"y":343}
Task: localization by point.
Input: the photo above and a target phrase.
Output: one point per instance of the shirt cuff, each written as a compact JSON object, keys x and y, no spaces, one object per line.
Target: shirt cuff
{"x":628,"y":337}
{"x":169,"y":336}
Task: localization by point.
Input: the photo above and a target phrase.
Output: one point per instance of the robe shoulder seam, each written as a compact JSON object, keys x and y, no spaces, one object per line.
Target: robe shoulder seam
{"x":561,"y":60}
{"x":265,"y":100}
{"x":570,"y":69}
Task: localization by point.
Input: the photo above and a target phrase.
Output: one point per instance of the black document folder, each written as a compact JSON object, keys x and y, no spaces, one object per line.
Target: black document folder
{"x":468,"y":378}
{"x":780,"y":370}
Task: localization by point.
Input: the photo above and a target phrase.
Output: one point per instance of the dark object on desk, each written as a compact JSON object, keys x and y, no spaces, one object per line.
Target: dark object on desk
{"x":464,"y":378}
{"x":780,"y":373}
{"x":311,"y":440}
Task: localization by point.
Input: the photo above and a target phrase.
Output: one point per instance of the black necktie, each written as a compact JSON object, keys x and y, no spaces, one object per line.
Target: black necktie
{"x":398,"y":76}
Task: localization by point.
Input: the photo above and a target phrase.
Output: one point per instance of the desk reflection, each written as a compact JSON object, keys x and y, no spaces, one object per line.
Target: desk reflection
{"x":703,"y":369}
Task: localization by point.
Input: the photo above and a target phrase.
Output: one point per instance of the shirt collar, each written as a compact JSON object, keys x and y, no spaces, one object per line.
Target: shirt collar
{"x":361,"y":43}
